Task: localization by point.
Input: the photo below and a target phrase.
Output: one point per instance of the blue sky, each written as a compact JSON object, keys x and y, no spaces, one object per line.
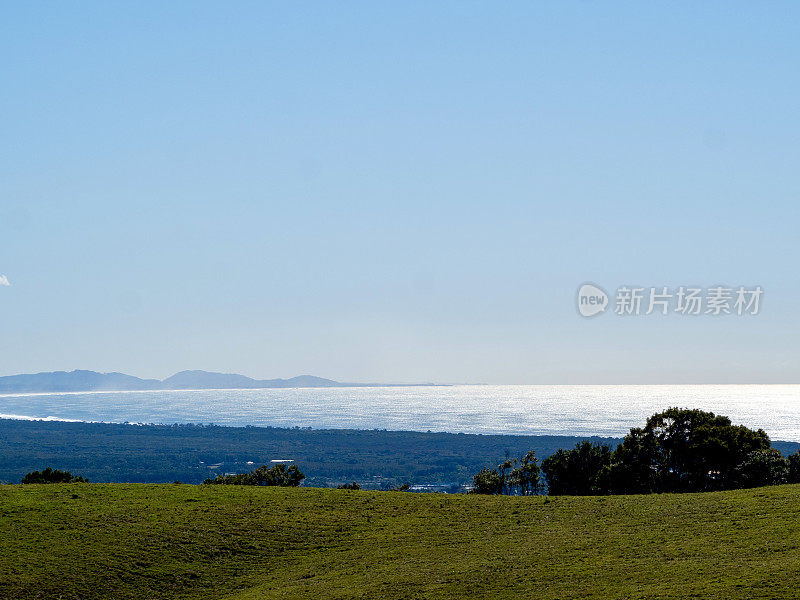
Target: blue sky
{"x":406,"y":192}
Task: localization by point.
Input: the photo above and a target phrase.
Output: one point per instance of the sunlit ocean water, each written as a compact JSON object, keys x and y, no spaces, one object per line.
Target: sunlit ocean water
{"x":605,"y":410}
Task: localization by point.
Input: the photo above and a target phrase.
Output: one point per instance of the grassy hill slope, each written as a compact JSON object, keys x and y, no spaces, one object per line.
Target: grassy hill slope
{"x":179,"y":541}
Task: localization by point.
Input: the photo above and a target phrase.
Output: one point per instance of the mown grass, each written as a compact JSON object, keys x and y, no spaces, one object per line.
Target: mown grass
{"x":164,"y":541}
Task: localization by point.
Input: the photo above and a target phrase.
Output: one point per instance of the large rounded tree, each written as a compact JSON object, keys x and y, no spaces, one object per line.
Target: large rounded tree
{"x":683,"y":450}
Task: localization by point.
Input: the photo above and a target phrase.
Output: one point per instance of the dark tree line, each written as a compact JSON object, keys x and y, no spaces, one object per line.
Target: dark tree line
{"x":678,"y":450}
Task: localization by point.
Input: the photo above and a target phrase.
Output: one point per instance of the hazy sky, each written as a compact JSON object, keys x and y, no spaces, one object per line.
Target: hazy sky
{"x":406,"y":192}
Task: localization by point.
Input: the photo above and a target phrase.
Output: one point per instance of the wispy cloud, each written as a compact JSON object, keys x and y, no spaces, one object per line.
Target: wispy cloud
{"x":4,"y":281}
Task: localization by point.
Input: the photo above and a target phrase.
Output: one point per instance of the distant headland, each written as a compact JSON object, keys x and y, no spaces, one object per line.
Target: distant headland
{"x":93,"y":381}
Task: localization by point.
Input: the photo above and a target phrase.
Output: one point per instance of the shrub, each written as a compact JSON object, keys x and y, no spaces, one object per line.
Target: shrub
{"x":278,"y":475}
{"x":349,"y":486}
{"x":52,"y":476}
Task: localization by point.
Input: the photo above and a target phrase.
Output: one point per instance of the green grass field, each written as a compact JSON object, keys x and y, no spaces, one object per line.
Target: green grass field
{"x":165,"y":541}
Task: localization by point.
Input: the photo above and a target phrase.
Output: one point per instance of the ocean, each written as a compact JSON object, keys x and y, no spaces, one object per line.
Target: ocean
{"x":604,"y":410}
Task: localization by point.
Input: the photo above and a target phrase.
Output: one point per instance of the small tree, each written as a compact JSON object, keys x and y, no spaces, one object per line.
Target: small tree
{"x":525,"y":476}
{"x":503,"y":470}
{"x":487,"y":481}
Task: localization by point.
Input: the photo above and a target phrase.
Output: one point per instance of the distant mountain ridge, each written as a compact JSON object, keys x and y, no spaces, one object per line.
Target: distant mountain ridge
{"x":92,"y":381}
{"x":207,"y":380}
